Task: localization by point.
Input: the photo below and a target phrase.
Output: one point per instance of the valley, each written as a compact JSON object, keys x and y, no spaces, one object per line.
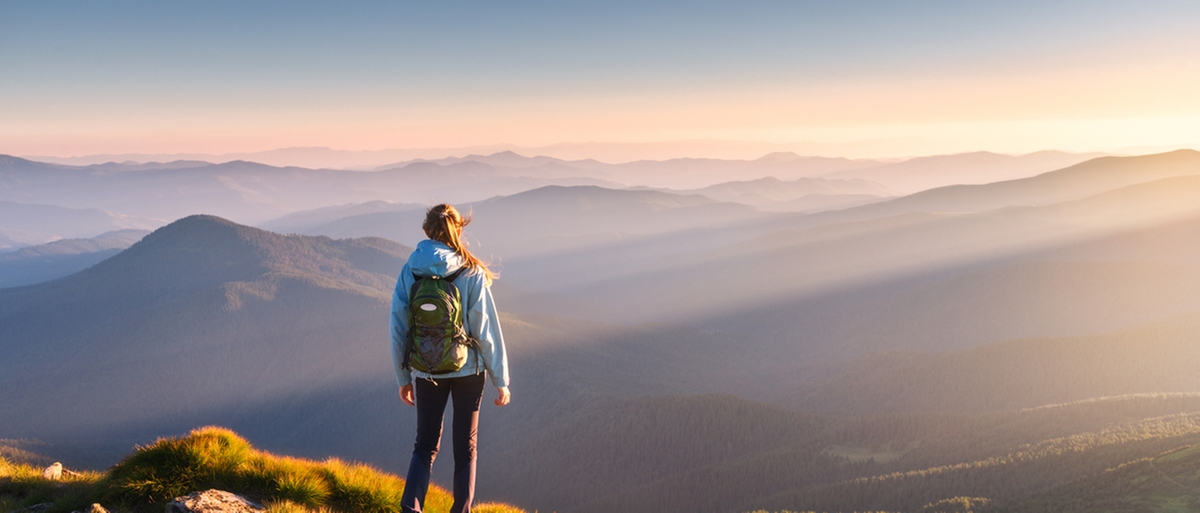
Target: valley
{"x":675,"y":344}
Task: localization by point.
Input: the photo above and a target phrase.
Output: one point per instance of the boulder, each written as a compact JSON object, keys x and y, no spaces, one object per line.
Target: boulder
{"x":53,"y":472}
{"x":213,"y":501}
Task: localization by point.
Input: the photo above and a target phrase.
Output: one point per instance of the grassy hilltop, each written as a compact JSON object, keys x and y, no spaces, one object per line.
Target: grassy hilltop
{"x":213,"y":457}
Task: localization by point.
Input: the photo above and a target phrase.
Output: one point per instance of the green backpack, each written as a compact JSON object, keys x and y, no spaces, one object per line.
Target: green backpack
{"x":437,"y":340}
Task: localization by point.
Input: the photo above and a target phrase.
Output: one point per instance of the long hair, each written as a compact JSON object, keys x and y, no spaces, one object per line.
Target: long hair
{"x":444,"y":224}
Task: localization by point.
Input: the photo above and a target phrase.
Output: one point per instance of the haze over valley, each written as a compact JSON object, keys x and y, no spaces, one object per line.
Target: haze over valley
{"x":767,"y":357}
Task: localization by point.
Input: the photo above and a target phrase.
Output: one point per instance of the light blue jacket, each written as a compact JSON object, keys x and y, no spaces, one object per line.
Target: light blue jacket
{"x":432,"y":258}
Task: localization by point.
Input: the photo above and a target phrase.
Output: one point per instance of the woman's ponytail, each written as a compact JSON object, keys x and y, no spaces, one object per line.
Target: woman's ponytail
{"x":444,"y":224}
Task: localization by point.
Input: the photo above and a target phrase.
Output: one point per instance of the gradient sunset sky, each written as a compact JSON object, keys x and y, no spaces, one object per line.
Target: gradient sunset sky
{"x":858,"y":79}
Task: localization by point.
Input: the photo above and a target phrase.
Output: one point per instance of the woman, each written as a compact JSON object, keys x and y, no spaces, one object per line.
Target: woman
{"x":443,"y":254}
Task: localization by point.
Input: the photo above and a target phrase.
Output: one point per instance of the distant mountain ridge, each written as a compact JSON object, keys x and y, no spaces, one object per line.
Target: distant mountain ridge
{"x":1072,"y":183}
{"x":831,"y":250}
{"x":35,"y":264}
{"x":922,"y":173}
{"x":552,"y":217}
{"x":799,"y":195}
{"x":251,"y":192}
{"x":297,"y":222}
{"x":28,"y":224}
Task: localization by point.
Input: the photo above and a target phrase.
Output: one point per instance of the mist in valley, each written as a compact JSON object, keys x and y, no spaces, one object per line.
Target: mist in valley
{"x":684,"y":335}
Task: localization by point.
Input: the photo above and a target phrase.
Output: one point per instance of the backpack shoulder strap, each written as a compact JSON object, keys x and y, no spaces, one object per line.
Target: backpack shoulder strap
{"x":454,"y":275}
{"x":449,"y":278}
{"x":412,"y":290}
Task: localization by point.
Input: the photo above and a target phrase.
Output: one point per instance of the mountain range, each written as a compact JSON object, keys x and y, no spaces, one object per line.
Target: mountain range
{"x":152,"y":193}
{"x":1006,"y":343}
{"x":23,"y":224}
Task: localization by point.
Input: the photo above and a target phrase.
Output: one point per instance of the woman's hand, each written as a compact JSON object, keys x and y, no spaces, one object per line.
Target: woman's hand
{"x":406,"y":394}
{"x":502,"y":396}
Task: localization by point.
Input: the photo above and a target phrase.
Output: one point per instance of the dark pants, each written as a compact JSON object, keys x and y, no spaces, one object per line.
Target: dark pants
{"x":431,"y":398}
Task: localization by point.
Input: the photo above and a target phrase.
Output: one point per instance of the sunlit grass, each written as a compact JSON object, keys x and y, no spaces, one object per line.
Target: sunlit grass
{"x":22,"y":485}
{"x":213,"y":457}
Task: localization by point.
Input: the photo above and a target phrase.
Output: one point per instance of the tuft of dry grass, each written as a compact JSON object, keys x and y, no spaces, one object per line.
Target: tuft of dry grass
{"x":22,"y":485}
{"x":496,"y":507}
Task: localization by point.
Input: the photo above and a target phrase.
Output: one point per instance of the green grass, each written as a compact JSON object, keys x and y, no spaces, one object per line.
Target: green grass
{"x":213,"y":457}
{"x":22,"y":485}
{"x":1179,"y":455}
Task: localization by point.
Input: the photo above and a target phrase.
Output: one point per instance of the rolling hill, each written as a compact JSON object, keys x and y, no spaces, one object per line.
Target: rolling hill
{"x":35,"y":264}
{"x":201,"y":320}
{"x":254,"y":193}
{"x":921,"y":281}
{"x":923,"y":173}
{"x":800,"y":195}
{"x":1075,"y":182}
{"x":1001,"y":218}
{"x":27,"y":224}
{"x":553,"y":218}
{"x":300,"y":221}
{"x":1164,"y":482}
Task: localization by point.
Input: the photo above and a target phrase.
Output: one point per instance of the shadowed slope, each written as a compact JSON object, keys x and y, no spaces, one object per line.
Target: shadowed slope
{"x":199,"y":314}
{"x":831,"y":261}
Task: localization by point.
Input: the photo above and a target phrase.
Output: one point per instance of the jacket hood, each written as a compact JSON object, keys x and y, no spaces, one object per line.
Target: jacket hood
{"x":432,"y":258}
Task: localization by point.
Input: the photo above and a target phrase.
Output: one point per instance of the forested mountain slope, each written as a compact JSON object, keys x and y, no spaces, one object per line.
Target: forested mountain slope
{"x":200,"y":316}
{"x":1164,"y":482}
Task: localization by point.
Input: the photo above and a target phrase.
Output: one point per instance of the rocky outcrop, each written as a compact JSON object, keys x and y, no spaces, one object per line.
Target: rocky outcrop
{"x":53,"y":472}
{"x":213,"y":501}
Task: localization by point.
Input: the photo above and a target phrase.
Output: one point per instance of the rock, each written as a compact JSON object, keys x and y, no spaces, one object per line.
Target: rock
{"x":36,"y":508}
{"x":94,"y":508}
{"x":53,"y":472}
{"x":213,"y":501}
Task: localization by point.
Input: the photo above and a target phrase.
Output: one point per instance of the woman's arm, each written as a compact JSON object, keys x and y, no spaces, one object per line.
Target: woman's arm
{"x":484,"y":326}
{"x":399,"y":325}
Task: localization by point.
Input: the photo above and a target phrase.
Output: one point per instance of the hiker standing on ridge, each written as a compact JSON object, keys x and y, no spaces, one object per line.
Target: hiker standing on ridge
{"x":445,"y":335}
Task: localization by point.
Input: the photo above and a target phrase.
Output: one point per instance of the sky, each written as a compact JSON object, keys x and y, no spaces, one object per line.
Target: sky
{"x":834,"y":78}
